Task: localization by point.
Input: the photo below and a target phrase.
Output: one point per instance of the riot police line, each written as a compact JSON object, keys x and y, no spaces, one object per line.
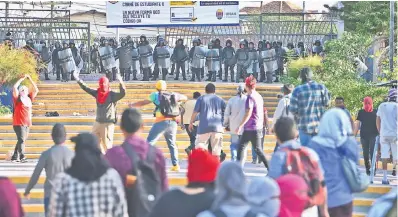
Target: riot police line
{"x":266,"y":62}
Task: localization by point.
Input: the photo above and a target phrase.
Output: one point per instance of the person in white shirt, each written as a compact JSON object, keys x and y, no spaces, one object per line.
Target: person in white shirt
{"x":233,"y":116}
{"x":386,"y":123}
{"x":282,"y":110}
{"x":186,"y":113}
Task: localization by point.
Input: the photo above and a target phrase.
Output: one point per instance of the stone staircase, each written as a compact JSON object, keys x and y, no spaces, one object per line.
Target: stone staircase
{"x":77,"y":111}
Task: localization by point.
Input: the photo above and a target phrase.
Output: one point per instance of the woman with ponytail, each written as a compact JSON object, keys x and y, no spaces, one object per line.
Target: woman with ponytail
{"x":366,"y":123}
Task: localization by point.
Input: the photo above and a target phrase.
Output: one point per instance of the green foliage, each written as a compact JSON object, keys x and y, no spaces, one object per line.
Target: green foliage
{"x":367,"y":17}
{"x":14,"y":64}
{"x":338,"y":73}
{"x":294,"y":67}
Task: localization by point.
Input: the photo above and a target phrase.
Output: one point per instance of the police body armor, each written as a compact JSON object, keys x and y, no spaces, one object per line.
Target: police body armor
{"x":199,"y":57}
{"x":163,"y":57}
{"x":254,"y":67}
{"x":107,"y":57}
{"x":229,"y":56}
{"x":145,"y":56}
{"x":45,"y":55}
{"x":269,"y":59}
{"x":281,"y":55}
{"x":213,"y":60}
{"x":66,"y":60}
{"x":135,"y":56}
{"x":242,"y":57}
{"x":125,"y":57}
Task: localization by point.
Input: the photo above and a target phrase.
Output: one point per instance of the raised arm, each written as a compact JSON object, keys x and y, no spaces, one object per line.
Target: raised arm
{"x":35,"y":89}
{"x":122,"y":89}
{"x":15,"y":92}
{"x":84,"y":87}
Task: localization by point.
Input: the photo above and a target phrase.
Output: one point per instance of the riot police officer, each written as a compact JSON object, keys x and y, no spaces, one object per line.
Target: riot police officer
{"x":161,"y":56}
{"x":243,"y":59}
{"x":136,"y":59}
{"x":260,"y":49}
{"x":253,"y":55}
{"x":300,"y":50}
{"x":217,"y":45}
{"x":269,"y":61}
{"x":67,"y":61}
{"x":55,"y":60}
{"x":179,"y":57}
{"x":197,"y":59}
{"x":228,"y":57}
{"x":317,"y":49}
{"x":281,"y":53}
{"x":146,"y":58}
{"x":125,"y":60}
{"x":95,"y":60}
{"x":212,"y":61}
{"x":108,"y":62}
{"x":45,"y":57}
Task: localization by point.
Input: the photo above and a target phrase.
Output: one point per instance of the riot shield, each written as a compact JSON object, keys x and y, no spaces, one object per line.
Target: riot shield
{"x":163,"y":57}
{"x":66,"y":59}
{"x":198,"y":60}
{"x":107,"y":58}
{"x":213,"y":60}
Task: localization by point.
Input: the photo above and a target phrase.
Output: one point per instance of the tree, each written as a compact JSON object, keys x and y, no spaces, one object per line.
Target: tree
{"x":367,"y":17}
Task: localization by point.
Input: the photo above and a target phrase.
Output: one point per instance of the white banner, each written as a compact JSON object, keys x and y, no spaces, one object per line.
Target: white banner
{"x":171,"y":13}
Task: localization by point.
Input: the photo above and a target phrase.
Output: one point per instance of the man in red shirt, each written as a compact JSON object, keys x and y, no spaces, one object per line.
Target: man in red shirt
{"x":22,"y":116}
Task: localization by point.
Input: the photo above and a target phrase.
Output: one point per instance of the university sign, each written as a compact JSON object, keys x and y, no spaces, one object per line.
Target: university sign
{"x":171,"y":13}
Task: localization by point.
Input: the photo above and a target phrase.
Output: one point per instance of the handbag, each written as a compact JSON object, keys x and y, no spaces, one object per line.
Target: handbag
{"x":357,"y":180}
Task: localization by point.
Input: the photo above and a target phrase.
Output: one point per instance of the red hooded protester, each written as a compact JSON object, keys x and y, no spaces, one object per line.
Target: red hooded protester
{"x":106,"y":115}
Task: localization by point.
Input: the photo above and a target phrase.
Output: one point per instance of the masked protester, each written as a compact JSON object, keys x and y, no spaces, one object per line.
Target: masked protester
{"x":22,"y":116}
{"x":146,"y":58}
{"x":243,"y":59}
{"x":228,"y":57}
{"x":212,"y":62}
{"x":106,"y":101}
{"x":179,"y":57}
{"x":197,"y":58}
{"x":161,"y":56}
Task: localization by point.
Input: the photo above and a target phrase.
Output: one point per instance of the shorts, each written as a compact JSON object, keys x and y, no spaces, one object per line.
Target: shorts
{"x":387,"y":144}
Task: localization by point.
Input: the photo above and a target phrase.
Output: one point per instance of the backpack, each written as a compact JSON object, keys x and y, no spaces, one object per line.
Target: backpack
{"x":145,"y":191}
{"x":168,"y":105}
{"x":300,"y":162}
{"x":220,"y":213}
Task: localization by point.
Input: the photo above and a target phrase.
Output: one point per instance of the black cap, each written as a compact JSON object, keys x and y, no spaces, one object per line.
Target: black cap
{"x":58,"y":134}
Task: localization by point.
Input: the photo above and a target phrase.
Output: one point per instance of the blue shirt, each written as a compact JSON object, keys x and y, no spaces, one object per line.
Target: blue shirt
{"x":308,"y":103}
{"x":339,"y":191}
{"x":211,"y":111}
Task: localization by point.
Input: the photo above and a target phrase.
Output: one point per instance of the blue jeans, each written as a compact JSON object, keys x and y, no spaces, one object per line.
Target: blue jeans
{"x":46,"y":204}
{"x":305,"y":138}
{"x":234,"y":146}
{"x":169,"y":131}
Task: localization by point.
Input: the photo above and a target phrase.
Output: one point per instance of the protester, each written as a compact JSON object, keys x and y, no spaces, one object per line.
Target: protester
{"x":308,"y":103}
{"x":10,"y":203}
{"x":339,"y":103}
{"x":263,"y":194}
{"x":386,"y":123}
{"x":89,"y":187}
{"x":286,"y":134}
{"x":164,"y":124}
{"x":255,"y":159}
{"x":198,"y":195}
{"x":186,"y":114}
{"x":210,"y":109}
{"x":231,"y":194}
{"x":54,"y":160}
{"x":293,"y":197}
{"x":106,"y":100}
{"x":252,"y":123}
{"x":22,"y":115}
{"x":366,"y":122}
{"x":335,"y":138}
{"x":234,"y":113}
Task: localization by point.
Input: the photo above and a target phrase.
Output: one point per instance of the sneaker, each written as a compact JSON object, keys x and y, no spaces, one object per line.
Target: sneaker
{"x":23,"y":160}
{"x":188,"y":151}
{"x":394,"y":173}
{"x":15,"y":160}
{"x":254,"y":162}
{"x":175,"y":168}
{"x":385,"y":182}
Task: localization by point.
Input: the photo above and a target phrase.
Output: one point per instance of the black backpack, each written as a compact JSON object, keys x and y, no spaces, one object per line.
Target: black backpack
{"x":168,"y":105}
{"x":144,"y":193}
{"x":220,"y":213}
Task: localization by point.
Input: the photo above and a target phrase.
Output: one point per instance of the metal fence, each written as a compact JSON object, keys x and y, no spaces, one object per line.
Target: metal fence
{"x":286,"y":27}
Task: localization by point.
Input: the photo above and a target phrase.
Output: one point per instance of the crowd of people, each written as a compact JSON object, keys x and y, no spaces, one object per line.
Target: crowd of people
{"x":313,"y":171}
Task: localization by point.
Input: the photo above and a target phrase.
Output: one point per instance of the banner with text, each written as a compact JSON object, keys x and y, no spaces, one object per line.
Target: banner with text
{"x":171,"y":13}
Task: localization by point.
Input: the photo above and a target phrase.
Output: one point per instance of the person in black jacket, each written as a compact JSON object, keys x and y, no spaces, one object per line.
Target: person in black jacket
{"x":217,"y":44}
{"x":228,"y":57}
{"x":55,"y":60}
{"x":179,"y":56}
